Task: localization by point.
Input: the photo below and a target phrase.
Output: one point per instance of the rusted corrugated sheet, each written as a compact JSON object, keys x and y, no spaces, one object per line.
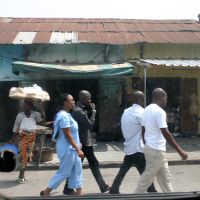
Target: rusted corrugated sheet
{"x":107,"y":31}
{"x":154,"y":37}
{"x":6,"y":38}
{"x":91,"y":37}
{"x":98,"y":27}
{"x":42,"y":38}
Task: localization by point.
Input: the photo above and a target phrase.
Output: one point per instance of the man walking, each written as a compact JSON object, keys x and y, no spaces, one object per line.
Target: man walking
{"x":155,"y":133}
{"x":84,"y":113}
{"x":131,"y":123}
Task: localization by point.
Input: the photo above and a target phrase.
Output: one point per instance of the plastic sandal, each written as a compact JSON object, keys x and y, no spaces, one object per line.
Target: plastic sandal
{"x":21,"y":181}
{"x":42,"y":194}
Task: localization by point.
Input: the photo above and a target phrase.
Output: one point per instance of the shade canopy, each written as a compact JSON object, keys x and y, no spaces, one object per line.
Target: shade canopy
{"x":74,"y":71}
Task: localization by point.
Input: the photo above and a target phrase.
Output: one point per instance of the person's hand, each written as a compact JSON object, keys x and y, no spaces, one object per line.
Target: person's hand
{"x":93,"y":106}
{"x":48,"y":123}
{"x":80,"y":153}
{"x":184,"y":155}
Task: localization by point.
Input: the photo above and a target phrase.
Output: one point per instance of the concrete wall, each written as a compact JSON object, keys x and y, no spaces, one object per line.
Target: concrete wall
{"x":75,"y":53}
{"x":136,"y":51}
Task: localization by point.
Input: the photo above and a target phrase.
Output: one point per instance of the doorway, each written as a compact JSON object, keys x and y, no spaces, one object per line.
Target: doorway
{"x":71,"y":86}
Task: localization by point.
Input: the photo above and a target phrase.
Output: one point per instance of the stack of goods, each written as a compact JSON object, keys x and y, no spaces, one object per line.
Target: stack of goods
{"x":35,"y":92}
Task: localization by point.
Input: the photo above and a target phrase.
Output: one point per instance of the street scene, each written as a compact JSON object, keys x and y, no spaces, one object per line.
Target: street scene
{"x":99,"y":99}
{"x":184,"y":179}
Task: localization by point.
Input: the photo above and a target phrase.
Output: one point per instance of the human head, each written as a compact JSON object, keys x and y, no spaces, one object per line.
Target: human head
{"x":159,"y":96}
{"x":85,"y":97}
{"x":66,"y":101}
{"x":28,"y":105}
{"x":138,"y":98}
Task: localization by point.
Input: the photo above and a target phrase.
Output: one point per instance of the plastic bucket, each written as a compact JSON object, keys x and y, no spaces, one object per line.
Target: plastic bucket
{"x":8,"y":157}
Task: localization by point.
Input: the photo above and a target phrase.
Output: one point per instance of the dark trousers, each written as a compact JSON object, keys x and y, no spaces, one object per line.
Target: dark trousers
{"x":94,"y":166}
{"x":138,"y":160}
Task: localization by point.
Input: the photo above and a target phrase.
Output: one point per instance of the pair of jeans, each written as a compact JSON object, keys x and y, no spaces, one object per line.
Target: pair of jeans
{"x":137,"y":160}
{"x":94,"y":166}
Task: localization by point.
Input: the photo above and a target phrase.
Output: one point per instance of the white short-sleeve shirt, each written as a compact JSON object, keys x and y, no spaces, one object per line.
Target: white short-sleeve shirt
{"x":154,"y":118}
{"x":27,"y":124}
{"x":131,"y":122}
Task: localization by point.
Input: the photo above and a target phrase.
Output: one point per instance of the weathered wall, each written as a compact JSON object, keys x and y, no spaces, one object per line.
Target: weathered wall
{"x":74,"y":53}
{"x":8,"y":107}
{"x":135,"y":51}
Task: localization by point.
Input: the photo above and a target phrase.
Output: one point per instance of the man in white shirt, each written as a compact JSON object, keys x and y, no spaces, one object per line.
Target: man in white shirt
{"x":131,"y":123}
{"x":155,"y":133}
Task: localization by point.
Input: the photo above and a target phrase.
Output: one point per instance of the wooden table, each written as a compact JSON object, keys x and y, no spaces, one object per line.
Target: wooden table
{"x":42,"y":131}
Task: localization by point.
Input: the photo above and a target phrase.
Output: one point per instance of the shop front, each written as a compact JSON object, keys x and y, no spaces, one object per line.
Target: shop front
{"x":106,"y":82}
{"x":181,"y":82}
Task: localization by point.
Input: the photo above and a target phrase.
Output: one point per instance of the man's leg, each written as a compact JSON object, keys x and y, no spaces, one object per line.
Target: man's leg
{"x":153,"y":165}
{"x":164,"y":176}
{"x":140,"y":163}
{"x":67,"y":190}
{"x":94,"y":166}
{"x":127,"y":164}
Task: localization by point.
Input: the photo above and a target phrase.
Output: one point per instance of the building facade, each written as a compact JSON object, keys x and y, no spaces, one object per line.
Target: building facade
{"x":110,"y":58}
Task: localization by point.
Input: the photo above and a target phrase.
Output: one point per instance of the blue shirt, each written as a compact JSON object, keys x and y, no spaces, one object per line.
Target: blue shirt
{"x":65,"y":120}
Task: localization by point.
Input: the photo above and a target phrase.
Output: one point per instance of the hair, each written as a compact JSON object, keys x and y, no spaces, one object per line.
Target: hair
{"x":157,"y":93}
{"x":138,"y":96}
{"x":83,"y":94}
{"x":62,"y":98}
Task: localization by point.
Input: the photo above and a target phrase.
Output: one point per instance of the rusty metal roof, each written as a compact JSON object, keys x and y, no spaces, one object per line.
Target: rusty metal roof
{"x":102,"y":31}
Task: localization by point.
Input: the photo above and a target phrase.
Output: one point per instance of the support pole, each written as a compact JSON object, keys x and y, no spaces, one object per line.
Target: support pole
{"x":145,"y":85}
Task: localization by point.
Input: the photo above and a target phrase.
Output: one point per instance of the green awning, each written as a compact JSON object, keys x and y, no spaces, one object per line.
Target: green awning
{"x":73,"y":71}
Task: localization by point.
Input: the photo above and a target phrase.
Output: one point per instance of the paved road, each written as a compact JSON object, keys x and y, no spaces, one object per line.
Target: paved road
{"x":185,"y":178}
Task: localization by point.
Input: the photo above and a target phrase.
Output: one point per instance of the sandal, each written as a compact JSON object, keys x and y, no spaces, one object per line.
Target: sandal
{"x":21,"y":180}
{"x":42,"y":194}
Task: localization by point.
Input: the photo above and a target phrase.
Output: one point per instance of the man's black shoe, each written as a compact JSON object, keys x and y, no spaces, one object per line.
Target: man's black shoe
{"x":106,"y":189}
{"x":68,"y":191}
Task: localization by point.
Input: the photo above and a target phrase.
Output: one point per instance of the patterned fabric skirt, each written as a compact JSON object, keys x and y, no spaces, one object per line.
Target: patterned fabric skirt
{"x":25,"y":145}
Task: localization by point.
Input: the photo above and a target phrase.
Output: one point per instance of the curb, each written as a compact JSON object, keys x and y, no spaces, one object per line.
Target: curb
{"x":47,"y":166}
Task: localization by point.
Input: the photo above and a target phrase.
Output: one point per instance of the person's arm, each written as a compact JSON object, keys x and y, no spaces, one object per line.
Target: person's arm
{"x":82,"y":118}
{"x":168,"y":136}
{"x":40,"y":116}
{"x":68,"y":134}
{"x":143,"y":132}
{"x":15,"y":129}
{"x":42,"y":112}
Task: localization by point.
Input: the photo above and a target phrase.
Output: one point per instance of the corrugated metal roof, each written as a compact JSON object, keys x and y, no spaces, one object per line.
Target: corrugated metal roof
{"x":173,"y":62}
{"x":107,"y":31}
{"x":24,"y":38}
{"x":61,"y":38}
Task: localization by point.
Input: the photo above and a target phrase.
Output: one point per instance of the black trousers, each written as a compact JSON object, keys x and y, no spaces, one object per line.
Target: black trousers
{"x":94,"y":166}
{"x":138,"y":160}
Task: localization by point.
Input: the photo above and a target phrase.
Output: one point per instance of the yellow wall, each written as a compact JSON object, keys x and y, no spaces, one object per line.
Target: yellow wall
{"x":168,"y":72}
{"x":132,"y":52}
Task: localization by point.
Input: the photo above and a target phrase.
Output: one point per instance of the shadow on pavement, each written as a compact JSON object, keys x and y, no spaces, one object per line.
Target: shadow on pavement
{"x":180,"y":195}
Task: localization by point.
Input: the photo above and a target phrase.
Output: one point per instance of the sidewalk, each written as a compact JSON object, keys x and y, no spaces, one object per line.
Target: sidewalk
{"x":110,"y":154}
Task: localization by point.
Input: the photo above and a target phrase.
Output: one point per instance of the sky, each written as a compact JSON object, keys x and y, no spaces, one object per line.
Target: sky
{"x":125,"y":9}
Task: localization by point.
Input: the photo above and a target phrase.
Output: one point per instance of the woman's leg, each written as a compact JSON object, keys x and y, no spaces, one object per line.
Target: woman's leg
{"x":76,"y":176}
{"x":64,"y":171}
{"x":25,"y":145}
